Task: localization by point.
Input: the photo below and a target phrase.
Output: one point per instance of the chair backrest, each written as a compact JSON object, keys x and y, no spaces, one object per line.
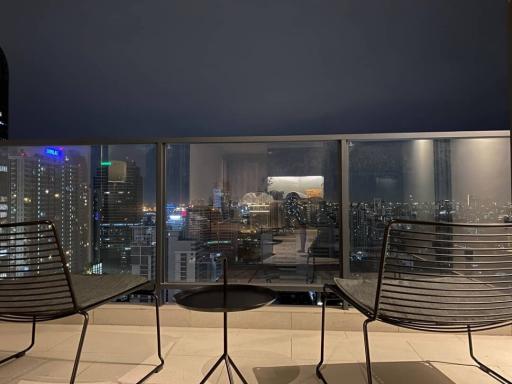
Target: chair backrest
{"x":445,"y":276}
{"x":35,"y":283}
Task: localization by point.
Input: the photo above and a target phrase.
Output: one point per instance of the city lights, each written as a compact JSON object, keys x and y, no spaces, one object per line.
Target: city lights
{"x":275,"y":215}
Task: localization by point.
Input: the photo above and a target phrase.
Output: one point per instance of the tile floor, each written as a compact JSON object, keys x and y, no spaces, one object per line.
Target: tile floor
{"x":122,"y":354}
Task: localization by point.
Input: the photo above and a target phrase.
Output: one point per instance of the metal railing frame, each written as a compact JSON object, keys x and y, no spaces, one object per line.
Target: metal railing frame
{"x":343,"y":185}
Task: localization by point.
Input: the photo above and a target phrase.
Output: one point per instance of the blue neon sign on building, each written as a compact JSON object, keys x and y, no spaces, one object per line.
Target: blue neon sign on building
{"x":53,"y":152}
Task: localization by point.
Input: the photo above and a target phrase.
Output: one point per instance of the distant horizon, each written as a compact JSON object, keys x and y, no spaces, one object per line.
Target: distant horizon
{"x":398,"y":186}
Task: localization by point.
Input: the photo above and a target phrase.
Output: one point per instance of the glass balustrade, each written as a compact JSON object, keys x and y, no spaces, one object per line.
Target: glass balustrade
{"x":291,"y":213}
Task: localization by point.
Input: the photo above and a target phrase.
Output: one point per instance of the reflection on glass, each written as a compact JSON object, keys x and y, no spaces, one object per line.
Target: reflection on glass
{"x":454,"y":180}
{"x":101,"y":199}
{"x":270,"y":208}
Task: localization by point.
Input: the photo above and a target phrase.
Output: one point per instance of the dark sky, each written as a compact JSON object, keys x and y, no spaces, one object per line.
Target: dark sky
{"x":148,"y":68}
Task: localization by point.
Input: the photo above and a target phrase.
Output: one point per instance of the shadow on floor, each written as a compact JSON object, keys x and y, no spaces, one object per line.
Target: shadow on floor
{"x":108,"y":357}
{"x":354,"y":373}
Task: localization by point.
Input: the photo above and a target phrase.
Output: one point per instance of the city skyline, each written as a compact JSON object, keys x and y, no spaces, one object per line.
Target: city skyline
{"x":268,"y":224}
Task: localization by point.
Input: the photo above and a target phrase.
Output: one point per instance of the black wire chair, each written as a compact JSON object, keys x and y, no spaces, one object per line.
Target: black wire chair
{"x":434,"y":276}
{"x":36,"y":285}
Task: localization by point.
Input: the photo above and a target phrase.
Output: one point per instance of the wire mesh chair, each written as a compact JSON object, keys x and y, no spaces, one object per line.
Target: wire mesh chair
{"x":435,"y":276}
{"x":36,"y":285}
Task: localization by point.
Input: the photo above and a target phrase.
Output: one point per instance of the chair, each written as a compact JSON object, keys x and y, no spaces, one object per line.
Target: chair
{"x":439,"y":277}
{"x":36,"y":285}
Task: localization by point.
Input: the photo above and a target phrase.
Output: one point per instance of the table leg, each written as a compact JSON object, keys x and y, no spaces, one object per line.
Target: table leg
{"x":221,"y":359}
{"x":225,"y":333}
{"x":225,"y":358}
{"x":237,"y":371}
{"x":225,"y":354}
{"x":228,"y":369}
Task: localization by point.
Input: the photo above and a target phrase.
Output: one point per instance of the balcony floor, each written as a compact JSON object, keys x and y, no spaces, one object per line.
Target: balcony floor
{"x":120,"y":354}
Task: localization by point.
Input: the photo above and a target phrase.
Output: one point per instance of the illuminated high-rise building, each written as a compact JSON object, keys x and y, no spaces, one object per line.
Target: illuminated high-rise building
{"x":4,"y":188}
{"x":143,"y":251}
{"x":52,"y":185}
{"x":4,"y":96}
{"x":117,"y":208}
{"x":178,"y":191}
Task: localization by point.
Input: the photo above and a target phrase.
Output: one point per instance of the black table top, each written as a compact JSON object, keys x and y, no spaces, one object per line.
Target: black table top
{"x":232,"y":298}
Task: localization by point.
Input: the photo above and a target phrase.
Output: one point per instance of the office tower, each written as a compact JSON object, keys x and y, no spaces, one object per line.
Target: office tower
{"x":142,"y":249}
{"x":206,"y":225}
{"x":4,"y":96}
{"x":4,"y":186}
{"x":223,"y":238}
{"x":185,"y":242}
{"x":358,"y":225}
{"x":84,"y":223}
{"x":23,"y":172}
{"x":178,"y":174}
{"x":52,"y":185}
{"x":208,"y":267}
{"x":71,"y":201}
{"x":189,"y":261}
{"x":117,"y":208}
{"x":443,"y":170}
{"x":197,"y":224}
{"x":183,"y":255}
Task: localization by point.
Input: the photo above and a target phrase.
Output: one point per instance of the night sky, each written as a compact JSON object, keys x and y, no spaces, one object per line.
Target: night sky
{"x":149,"y":68}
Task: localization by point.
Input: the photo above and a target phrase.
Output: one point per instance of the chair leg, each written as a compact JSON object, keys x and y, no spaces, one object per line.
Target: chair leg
{"x":322,"y":341}
{"x":482,"y":366}
{"x":22,"y":353}
{"x":80,"y":345}
{"x":159,"y":367}
{"x":367,"y":350}
{"x":159,"y":342}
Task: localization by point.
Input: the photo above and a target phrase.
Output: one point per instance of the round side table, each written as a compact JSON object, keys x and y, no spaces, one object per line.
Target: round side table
{"x":225,"y":298}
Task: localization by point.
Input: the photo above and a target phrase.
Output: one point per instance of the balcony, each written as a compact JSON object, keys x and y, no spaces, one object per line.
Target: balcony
{"x":289,"y":213}
{"x":265,"y":356}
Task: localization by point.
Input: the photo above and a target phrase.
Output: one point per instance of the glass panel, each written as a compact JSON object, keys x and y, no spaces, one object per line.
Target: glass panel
{"x":270,"y":208}
{"x":101,"y":199}
{"x":455,"y":180}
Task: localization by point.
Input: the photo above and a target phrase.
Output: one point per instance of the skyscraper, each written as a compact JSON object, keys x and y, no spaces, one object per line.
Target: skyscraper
{"x":4,"y":96}
{"x":143,"y":250}
{"x":117,"y":208}
{"x":178,"y":175}
{"x":4,"y":186}
{"x":51,"y":185}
